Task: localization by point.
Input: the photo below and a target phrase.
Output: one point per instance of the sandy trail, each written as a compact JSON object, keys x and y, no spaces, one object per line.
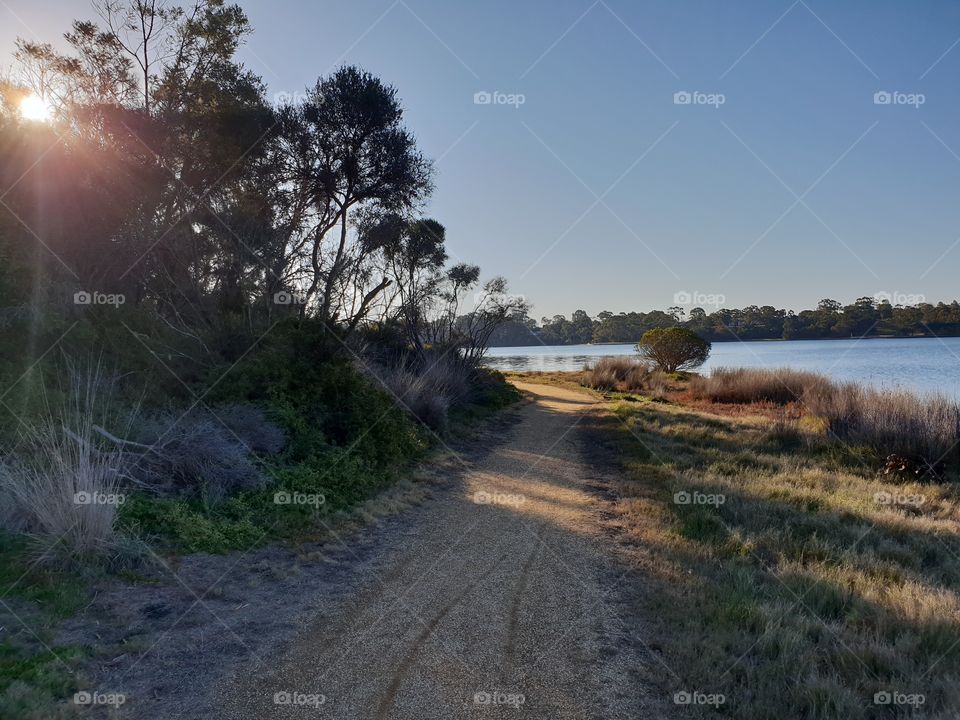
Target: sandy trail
{"x":496,"y":603}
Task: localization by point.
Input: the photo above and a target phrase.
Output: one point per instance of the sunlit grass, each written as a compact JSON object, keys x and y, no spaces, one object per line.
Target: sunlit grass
{"x":805,"y":592}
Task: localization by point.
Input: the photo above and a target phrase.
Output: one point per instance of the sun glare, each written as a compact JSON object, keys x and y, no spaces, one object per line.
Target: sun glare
{"x":34,"y":107}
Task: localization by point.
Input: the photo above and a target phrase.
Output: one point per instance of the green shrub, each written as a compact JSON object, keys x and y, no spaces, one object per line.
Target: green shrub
{"x":672,"y":349}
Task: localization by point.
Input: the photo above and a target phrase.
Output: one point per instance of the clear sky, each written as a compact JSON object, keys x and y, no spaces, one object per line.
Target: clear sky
{"x":781,"y":183}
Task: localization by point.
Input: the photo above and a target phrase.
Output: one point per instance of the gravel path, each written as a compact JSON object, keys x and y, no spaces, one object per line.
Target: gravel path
{"x":495,"y":607}
{"x":494,"y":599}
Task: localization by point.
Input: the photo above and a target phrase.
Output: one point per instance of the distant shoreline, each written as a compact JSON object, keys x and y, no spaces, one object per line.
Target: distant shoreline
{"x":730,"y":340}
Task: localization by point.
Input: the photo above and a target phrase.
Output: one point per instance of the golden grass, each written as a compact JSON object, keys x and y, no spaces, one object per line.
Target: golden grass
{"x":816,"y":584}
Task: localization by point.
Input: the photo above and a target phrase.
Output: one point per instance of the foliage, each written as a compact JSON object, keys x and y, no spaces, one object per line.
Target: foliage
{"x":723,"y":580}
{"x":750,"y":385}
{"x":628,"y":375}
{"x":62,"y":487}
{"x":672,"y":349}
{"x":922,"y":431}
{"x":866,"y":317}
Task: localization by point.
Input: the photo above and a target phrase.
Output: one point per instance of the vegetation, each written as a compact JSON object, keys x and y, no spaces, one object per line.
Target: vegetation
{"x":783,"y":572}
{"x":867,"y":317}
{"x":754,"y":385}
{"x":222,"y":321}
{"x":672,"y":349}
{"x":918,"y":434}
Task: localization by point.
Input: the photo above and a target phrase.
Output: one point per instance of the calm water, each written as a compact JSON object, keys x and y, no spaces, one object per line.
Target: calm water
{"x":919,"y":364}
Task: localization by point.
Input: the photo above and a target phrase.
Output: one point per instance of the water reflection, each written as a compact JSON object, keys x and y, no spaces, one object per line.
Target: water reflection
{"x":918,"y":364}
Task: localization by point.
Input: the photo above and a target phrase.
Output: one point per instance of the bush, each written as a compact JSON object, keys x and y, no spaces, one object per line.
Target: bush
{"x":925,"y":428}
{"x":625,"y":374}
{"x":251,"y":426}
{"x":749,"y":385}
{"x":61,"y":485}
{"x":319,"y":399}
{"x":429,"y":392}
{"x":672,"y":349}
{"x":193,"y":454}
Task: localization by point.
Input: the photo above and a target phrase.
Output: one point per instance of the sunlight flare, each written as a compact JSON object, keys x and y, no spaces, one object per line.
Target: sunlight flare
{"x":33,"y":107}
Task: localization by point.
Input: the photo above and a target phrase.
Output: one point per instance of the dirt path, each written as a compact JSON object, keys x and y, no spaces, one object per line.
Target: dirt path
{"x":494,"y":606}
{"x":496,"y":599}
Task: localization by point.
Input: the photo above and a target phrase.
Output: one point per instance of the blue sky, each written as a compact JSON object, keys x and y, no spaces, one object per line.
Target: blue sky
{"x":601,"y":192}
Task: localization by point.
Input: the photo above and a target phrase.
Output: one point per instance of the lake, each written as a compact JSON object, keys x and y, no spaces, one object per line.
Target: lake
{"x":918,"y":364}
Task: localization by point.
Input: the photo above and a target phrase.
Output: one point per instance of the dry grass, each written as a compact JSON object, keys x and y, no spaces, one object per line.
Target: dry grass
{"x":427,"y":393}
{"x":813,"y":586}
{"x":745,"y":385}
{"x":625,"y":374}
{"x":61,"y":486}
{"x":925,"y":429}
{"x":195,"y":455}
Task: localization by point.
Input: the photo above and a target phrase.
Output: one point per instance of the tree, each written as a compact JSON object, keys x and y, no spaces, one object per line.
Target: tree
{"x":672,"y":349}
{"x":143,"y":30}
{"x":347,"y":150}
{"x":469,"y":334}
{"x":414,"y":255}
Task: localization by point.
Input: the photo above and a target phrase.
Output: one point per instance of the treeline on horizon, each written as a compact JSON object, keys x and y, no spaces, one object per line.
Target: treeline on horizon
{"x":865,"y":317}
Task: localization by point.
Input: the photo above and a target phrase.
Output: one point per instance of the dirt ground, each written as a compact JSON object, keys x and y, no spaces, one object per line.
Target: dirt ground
{"x":496,"y":595}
